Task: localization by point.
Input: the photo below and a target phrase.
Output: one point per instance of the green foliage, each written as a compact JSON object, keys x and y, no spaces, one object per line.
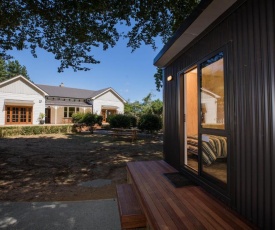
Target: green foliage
{"x":34,"y":130}
{"x":157,"y":107}
{"x":87,"y":118}
{"x":11,"y":69}
{"x":77,"y":117}
{"x":148,"y":106}
{"x":133,"y":121}
{"x":120,"y":121}
{"x":41,"y":116}
{"x":150,"y":123}
{"x":134,"y":109}
{"x":70,"y":29}
{"x":3,"y":70}
{"x":99,"y":119}
{"x":158,"y":79}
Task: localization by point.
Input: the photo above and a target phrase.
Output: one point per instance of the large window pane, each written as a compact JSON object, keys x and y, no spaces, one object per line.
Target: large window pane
{"x":29,"y":115}
{"x":214,"y":156}
{"x":71,"y":111}
{"x":23,"y":115}
{"x":15,"y":114}
{"x":212,"y":92}
{"x":8,"y":114}
{"x":65,"y":112}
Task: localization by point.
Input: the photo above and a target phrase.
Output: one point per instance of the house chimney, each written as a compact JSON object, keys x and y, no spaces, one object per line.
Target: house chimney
{"x":61,"y":85}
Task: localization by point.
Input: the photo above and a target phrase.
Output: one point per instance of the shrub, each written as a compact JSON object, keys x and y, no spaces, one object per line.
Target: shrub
{"x":78,"y":117}
{"x":133,"y":121}
{"x":120,"y":121}
{"x":89,"y":119}
{"x":99,"y":119}
{"x":150,"y":123}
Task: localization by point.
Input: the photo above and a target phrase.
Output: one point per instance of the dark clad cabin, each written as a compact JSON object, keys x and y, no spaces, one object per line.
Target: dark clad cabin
{"x":219,"y":106}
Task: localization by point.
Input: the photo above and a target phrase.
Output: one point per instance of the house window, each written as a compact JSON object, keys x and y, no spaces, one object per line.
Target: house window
{"x":69,"y":111}
{"x":65,"y":111}
{"x":18,"y":115}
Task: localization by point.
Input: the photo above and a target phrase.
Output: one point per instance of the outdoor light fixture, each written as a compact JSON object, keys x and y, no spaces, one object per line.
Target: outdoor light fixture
{"x":169,"y":78}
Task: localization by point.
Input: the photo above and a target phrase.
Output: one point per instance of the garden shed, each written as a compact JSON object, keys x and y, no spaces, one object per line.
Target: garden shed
{"x":225,"y":49}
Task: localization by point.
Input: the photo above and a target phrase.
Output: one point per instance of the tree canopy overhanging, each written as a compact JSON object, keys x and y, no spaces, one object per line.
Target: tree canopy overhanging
{"x":71,"y":28}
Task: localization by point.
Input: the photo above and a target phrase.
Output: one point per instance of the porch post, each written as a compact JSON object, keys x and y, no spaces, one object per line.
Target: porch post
{"x":55,"y":113}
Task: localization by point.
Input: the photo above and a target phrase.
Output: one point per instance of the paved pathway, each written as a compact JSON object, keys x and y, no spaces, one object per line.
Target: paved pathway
{"x":80,"y":215}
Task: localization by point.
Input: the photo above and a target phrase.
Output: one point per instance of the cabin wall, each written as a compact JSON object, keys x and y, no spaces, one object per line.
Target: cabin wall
{"x":248,"y":35}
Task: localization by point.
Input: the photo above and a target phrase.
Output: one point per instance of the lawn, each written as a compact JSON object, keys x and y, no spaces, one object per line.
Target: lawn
{"x":53,"y":167}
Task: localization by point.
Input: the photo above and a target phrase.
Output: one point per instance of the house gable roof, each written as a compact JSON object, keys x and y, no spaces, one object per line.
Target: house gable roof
{"x":210,"y":93}
{"x":26,"y":81}
{"x":201,"y":18}
{"x":103,"y":91}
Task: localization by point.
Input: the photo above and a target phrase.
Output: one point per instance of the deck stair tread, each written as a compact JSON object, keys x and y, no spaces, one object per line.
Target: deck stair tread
{"x":131,"y":214}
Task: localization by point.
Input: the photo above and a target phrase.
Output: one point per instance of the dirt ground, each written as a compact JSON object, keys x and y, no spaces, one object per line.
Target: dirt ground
{"x":51,"y":167}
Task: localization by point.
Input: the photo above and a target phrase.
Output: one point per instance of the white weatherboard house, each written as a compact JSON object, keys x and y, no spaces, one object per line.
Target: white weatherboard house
{"x":22,"y":101}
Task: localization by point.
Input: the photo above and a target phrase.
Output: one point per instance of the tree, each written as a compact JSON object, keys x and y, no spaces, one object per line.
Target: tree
{"x":148,"y":106}
{"x":157,"y":107}
{"x":11,"y":69}
{"x":134,"y":108}
{"x":71,"y":28}
{"x":3,"y":70}
{"x":158,"y":79}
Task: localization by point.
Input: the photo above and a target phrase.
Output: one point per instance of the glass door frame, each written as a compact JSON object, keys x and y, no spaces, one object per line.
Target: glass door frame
{"x":200,"y":175}
{"x":211,"y":131}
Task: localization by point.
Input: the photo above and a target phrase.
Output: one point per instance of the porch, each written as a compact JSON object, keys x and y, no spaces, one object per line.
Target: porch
{"x":168,"y":207}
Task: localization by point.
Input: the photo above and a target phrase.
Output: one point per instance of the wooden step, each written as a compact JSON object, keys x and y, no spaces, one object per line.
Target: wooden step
{"x":131,"y":214}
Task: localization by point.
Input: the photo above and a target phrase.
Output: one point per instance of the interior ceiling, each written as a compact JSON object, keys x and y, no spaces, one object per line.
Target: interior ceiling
{"x":213,"y":69}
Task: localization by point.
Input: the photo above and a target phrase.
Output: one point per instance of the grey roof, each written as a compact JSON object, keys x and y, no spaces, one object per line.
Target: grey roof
{"x":67,"y":103}
{"x":61,"y":91}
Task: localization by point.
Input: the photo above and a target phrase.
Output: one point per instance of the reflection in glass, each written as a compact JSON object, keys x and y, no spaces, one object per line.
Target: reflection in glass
{"x":214,"y":156}
{"x":212,"y":92}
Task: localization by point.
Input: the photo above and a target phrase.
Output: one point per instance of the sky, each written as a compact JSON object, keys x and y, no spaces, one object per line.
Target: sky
{"x":129,"y":74}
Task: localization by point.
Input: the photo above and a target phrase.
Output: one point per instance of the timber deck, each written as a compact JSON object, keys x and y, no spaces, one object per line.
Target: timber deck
{"x":168,"y":207}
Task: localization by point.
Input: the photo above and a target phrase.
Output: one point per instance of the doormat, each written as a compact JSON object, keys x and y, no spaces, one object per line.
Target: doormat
{"x":178,"y":180}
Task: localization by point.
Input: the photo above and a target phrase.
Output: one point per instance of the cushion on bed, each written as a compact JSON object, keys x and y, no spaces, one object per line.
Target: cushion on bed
{"x":215,"y":148}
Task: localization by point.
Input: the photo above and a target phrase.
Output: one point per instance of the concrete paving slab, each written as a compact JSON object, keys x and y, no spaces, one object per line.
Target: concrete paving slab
{"x":80,"y":215}
{"x":95,"y":183}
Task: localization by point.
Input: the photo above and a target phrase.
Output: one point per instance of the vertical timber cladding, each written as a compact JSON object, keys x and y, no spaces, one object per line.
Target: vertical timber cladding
{"x":170,"y":149}
{"x":248,"y":33}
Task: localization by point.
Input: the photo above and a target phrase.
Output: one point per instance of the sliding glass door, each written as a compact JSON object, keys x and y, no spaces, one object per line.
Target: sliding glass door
{"x":205,"y":133}
{"x":212,"y":126}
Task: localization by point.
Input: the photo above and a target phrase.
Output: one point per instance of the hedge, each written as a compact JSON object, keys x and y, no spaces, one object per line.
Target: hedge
{"x":34,"y":130}
{"x":150,"y":123}
{"x":122,"y":121}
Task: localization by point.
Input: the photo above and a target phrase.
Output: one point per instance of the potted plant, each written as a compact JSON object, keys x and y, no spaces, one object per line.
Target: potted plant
{"x":41,"y":118}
